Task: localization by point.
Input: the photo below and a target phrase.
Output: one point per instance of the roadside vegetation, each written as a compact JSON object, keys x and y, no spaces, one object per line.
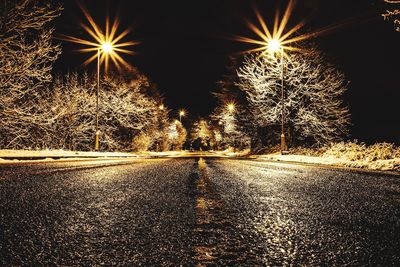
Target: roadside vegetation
{"x":40,"y":109}
{"x":379,"y":156}
{"x":43,"y":110}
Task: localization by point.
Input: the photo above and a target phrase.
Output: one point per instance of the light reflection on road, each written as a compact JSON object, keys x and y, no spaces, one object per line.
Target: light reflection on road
{"x":196,"y":212}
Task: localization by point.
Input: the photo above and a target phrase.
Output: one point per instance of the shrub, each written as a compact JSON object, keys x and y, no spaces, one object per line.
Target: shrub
{"x":354,"y":151}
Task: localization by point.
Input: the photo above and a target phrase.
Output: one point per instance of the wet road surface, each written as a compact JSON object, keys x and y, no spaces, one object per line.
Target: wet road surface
{"x":196,"y":212}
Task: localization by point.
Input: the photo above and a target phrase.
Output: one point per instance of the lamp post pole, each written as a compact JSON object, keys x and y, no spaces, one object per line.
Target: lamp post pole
{"x":181,"y":114}
{"x":97,"y":136}
{"x":283,"y":139}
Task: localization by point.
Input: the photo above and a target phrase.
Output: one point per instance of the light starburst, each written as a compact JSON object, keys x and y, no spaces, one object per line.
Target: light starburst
{"x":107,"y":43}
{"x":231,"y":106}
{"x":279,"y":37}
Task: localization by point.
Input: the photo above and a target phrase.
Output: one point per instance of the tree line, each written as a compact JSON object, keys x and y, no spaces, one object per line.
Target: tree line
{"x":40,"y":111}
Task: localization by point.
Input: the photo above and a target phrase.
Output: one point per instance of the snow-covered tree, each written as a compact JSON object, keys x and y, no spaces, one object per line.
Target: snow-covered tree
{"x":176,"y":135}
{"x":70,"y":104}
{"x":393,"y":13}
{"x":159,"y":130}
{"x":232,"y":127}
{"x":202,"y":133}
{"x":124,"y":113}
{"x":313,"y":107}
{"x":235,"y":126}
{"x":128,"y":118}
{"x":26,"y":57}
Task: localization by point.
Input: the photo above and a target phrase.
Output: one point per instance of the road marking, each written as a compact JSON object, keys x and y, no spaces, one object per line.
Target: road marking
{"x":204,"y":254}
{"x":218,"y":240}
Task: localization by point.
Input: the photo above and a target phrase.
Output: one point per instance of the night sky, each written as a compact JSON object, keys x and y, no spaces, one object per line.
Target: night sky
{"x":185,"y":49}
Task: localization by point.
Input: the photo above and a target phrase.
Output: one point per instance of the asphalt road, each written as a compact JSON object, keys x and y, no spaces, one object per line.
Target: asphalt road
{"x":196,"y":212}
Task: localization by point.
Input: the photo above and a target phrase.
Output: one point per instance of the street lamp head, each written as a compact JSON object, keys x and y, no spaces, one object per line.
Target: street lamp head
{"x":280,"y":38}
{"x":231,"y":107}
{"x":182,"y":113}
{"x":107,"y":47}
{"x":274,"y":46}
{"x":161,"y":107}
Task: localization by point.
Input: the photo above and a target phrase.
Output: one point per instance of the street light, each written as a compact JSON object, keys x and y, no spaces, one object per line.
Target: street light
{"x":275,"y":46}
{"x":231,"y":107}
{"x":161,"y":107}
{"x":182,"y":113}
{"x":279,"y":40}
{"x":106,"y":45}
{"x":105,"y":48}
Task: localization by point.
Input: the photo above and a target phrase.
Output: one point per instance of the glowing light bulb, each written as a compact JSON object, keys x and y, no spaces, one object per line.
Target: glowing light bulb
{"x":107,"y":47}
{"x":274,"y":45}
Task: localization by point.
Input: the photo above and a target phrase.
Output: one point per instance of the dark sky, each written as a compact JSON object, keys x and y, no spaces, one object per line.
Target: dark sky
{"x":185,"y":49}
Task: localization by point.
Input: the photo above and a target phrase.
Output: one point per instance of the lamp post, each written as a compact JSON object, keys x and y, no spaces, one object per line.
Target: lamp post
{"x":105,"y":48}
{"x":275,"y":46}
{"x":181,"y":114}
{"x":283,"y":138}
{"x":231,"y":109}
{"x":97,"y":134}
{"x":279,"y":40}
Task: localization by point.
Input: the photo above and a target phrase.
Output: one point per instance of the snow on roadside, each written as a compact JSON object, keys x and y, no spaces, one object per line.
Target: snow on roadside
{"x":230,"y":153}
{"x":7,"y":156}
{"x":59,"y":153}
{"x":383,"y":165}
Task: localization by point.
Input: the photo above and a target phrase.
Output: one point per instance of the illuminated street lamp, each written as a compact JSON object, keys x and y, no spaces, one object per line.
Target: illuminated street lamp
{"x":105,"y":48}
{"x":231,"y":107}
{"x":274,"y":46}
{"x":279,"y":40}
{"x":182,"y":113}
{"x":106,"y":45}
{"x":161,"y":107}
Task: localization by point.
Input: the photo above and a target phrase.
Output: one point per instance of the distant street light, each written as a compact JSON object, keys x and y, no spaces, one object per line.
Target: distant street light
{"x":161,"y":107}
{"x":182,"y":113}
{"x":274,"y":46}
{"x":231,"y":107}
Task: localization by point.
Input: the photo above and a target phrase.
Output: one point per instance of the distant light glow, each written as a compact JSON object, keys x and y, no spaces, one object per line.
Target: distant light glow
{"x":231,"y":107}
